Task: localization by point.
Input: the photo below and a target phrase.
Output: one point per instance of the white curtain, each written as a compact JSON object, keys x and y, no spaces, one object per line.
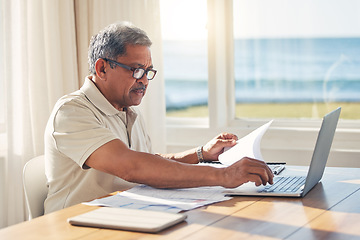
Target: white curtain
{"x":44,"y":56}
{"x":39,"y":66}
{"x":93,"y":15}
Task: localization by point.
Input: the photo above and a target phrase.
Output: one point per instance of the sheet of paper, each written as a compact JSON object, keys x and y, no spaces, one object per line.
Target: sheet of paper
{"x":248,"y":146}
{"x":167,"y":200}
{"x":119,"y":201}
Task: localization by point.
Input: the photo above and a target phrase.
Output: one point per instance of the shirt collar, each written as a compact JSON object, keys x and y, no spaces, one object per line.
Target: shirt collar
{"x":97,"y":98}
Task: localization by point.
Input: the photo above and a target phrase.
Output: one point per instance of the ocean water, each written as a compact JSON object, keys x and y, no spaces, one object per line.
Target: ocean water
{"x":268,"y":70}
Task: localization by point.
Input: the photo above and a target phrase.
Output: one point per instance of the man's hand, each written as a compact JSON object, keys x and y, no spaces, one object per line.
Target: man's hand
{"x":247,"y":170}
{"x":215,"y":147}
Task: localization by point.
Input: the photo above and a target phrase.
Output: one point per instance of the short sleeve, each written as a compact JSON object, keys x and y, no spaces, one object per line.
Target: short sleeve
{"x":79,"y":131}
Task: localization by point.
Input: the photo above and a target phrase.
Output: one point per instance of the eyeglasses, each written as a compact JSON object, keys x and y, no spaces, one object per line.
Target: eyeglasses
{"x":138,"y":73}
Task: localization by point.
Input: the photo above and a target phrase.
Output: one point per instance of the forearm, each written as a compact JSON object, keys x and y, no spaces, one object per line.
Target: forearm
{"x":210,"y":151}
{"x":188,"y":156}
{"x":115,"y":158}
{"x":172,"y":174}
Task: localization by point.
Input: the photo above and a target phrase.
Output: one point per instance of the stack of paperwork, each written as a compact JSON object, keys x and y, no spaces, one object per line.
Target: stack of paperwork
{"x":166,"y":200}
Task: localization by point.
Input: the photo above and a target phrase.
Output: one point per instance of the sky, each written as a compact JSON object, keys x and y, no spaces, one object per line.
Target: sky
{"x":186,"y":19}
{"x":294,"y":18}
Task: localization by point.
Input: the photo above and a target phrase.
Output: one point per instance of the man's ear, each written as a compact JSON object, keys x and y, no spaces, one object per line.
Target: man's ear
{"x":100,"y":68}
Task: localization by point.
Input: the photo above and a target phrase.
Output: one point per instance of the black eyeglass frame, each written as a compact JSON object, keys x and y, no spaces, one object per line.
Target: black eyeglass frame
{"x":133,"y":69}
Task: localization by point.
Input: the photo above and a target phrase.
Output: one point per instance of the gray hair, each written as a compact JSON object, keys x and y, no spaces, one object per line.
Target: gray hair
{"x":111,"y":42}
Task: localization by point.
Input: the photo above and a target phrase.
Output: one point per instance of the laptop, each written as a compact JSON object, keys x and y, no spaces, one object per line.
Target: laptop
{"x":298,"y":186}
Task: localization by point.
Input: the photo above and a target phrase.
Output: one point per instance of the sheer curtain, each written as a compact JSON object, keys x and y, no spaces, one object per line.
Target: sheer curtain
{"x":39,"y":67}
{"x":44,"y":57}
{"x":93,"y":15}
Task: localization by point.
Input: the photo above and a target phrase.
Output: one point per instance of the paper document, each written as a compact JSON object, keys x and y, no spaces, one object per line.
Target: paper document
{"x":167,"y":200}
{"x":248,"y":146}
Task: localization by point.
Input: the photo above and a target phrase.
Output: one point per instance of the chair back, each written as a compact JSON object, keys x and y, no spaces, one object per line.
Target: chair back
{"x":35,"y":186}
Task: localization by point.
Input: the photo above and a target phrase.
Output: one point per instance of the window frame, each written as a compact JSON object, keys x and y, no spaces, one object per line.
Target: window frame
{"x":2,"y":92}
{"x":299,"y":136}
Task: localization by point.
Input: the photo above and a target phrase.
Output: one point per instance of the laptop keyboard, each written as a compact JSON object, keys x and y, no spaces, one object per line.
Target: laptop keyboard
{"x":286,"y":184}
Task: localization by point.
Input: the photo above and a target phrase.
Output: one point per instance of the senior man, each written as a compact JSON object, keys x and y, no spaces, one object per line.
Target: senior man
{"x":96,"y":141}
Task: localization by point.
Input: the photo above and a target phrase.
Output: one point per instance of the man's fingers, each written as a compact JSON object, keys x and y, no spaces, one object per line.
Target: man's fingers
{"x":254,"y":170}
{"x":227,"y":136}
{"x":212,"y":149}
{"x":263,"y":174}
{"x":226,"y":142}
{"x":260,"y":165}
{"x":255,"y":179}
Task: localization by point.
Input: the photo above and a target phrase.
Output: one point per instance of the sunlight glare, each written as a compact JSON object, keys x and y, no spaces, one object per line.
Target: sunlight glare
{"x":183,"y":20}
{"x":354,"y":181}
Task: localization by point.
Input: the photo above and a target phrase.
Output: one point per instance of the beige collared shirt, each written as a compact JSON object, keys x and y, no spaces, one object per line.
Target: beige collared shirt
{"x":80,"y":123}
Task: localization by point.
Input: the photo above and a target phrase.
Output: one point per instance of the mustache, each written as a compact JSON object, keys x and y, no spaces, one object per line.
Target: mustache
{"x":141,"y":87}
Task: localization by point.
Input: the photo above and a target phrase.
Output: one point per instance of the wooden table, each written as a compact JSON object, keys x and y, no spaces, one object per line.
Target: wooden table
{"x":330,"y":211}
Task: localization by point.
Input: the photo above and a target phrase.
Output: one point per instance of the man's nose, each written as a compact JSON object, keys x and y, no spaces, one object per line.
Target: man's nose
{"x":143,"y":80}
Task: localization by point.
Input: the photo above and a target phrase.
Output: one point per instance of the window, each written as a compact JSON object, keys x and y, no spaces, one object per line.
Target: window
{"x":2,"y":82}
{"x":185,"y":57}
{"x":245,"y":58}
{"x":297,"y":59}
{"x":283,"y":67}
